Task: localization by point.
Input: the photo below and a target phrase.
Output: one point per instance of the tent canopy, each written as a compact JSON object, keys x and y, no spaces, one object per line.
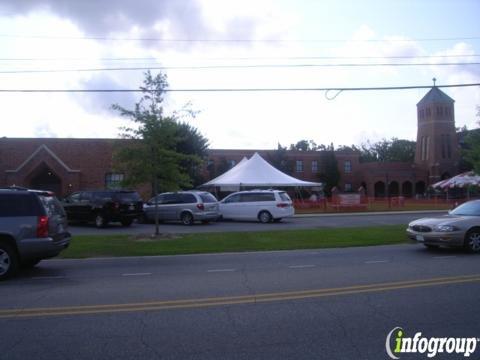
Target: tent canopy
{"x":257,"y":172}
{"x":461,"y":180}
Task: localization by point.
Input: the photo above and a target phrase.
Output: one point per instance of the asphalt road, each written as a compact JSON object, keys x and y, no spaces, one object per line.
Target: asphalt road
{"x":325,"y":304}
{"x":298,"y":222}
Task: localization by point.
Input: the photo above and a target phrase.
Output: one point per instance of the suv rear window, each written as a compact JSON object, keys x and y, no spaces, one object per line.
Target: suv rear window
{"x":52,"y":205}
{"x":127,"y":196}
{"x":207,"y":198}
{"x":19,"y":205}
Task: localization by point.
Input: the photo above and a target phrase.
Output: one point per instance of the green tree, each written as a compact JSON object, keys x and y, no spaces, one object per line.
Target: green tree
{"x":162,"y":150}
{"x":471,"y":152}
{"x":388,"y":150}
{"x":279,"y":159}
{"x":304,"y":145}
{"x":330,"y":175}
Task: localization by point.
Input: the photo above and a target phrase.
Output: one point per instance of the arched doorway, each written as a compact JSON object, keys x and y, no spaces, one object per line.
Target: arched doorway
{"x":379,"y":189}
{"x":45,"y":179}
{"x":393,"y":188}
{"x":407,"y":189}
{"x":363,"y":184}
{"x":420,"y":187}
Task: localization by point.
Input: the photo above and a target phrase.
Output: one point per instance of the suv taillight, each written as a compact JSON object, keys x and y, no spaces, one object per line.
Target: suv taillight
{"x":42,"y":227}
{"x":201,"y":207}
{"x":283,"y":205}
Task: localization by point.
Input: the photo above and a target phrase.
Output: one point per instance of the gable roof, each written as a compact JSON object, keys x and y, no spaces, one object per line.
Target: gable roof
{"x":49,"y":152}
{"x":435,"y":95}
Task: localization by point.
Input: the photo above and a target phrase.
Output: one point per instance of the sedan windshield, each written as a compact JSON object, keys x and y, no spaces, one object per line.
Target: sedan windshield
{"x":471,"y":208}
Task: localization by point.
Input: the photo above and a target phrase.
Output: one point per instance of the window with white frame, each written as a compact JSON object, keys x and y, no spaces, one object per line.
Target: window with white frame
{"x":348,"y":166}
{"x":113,"y":180}
{"x":314,"y":166}
{"x":299,"y":166}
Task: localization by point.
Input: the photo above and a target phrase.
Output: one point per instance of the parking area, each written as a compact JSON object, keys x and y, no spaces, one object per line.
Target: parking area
{"x":297,"y":222}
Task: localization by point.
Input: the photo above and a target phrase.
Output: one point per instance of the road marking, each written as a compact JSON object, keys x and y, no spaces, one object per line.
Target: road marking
{"x":47,"y":277}
{"x":220,"y":270}
{"x":137,"y":274}
{"x":376,"y":261}
{"x":444,"y":257}
{"x":233,"y":300}
{"x":301,"y":266}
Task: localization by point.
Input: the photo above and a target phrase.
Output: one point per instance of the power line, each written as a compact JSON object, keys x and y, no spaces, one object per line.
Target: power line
{"x":180,"y":40}
{"x":245,"y":58}
{"x":339,"y":89}
{"x":206,"y":67}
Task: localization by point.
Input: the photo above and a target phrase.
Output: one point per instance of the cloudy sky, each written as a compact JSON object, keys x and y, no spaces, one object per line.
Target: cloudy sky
{"x":209,"y":44}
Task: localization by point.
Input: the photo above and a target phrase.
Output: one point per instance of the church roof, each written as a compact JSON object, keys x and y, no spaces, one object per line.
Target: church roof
{"x":435,"y":95}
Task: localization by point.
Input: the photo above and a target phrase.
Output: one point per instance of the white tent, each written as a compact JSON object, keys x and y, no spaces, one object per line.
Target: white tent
{"x":256,"y":172}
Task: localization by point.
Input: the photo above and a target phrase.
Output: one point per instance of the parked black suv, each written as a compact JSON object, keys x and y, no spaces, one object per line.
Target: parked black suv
{"x":33,"y":226}
{"x":104,"y":206}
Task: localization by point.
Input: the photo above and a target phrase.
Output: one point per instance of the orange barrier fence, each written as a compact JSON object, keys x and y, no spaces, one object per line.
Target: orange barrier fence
{"x":358,"y":203}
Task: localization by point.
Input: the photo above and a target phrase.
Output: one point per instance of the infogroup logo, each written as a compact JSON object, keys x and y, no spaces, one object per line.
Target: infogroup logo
{"x":397,"y":343}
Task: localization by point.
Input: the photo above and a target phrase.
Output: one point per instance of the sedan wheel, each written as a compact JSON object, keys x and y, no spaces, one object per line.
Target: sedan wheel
{"x":472,"y":241}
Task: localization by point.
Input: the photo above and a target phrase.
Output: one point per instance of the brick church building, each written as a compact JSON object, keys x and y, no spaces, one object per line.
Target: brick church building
{"x":67,"y":165}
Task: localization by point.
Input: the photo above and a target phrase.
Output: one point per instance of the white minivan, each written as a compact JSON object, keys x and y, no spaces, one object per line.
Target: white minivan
{"x":262,"y":205}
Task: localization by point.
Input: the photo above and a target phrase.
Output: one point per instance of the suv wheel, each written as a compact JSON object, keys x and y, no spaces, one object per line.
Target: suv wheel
{"x":472,"y":241}
{"x":100,"y":221}
{"x":8,"y":261}
{"x":264,"y":217}
{"x":126,"y":222}
{"x":187,"y":218}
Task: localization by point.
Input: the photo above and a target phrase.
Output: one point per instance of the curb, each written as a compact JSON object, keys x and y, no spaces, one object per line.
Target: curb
{"x":371,"y":213}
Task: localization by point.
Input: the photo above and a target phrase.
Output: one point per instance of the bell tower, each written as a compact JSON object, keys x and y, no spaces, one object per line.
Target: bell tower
{"x":437,"y":146}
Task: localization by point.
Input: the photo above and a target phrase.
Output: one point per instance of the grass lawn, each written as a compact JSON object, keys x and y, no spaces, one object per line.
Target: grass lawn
{"x":84,"y":246}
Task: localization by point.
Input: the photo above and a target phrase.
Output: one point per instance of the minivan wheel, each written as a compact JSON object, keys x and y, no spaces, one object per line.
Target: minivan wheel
{"x":187,"y":218}
{"x":472,"y":241}
{"x":100,"y":221}
{"x":264,"y":217}
{"x":8,"y":261}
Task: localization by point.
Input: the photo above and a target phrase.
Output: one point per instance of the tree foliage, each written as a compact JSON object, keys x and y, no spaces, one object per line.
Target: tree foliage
{"x":388,"y":150}
{"x":304,"y":145}
{"x":471,"y":152}
{"x":330,"y":175}
{"x":163,"y":151}
{"x":279,"y":159}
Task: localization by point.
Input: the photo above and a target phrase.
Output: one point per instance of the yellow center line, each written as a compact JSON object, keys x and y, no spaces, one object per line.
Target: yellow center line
{"x":234,"y":300}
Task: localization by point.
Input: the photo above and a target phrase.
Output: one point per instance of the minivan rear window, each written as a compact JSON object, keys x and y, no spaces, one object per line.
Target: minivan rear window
{"x":284,"y":196}
{"x":208,"y":198}
{"x":19,"y":205}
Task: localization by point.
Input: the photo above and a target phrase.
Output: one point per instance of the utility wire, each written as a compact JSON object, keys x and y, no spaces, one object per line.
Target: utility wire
{"x":245,"y":58}
{"x":216,"y":90}
{"x":180,"y":40}
{"x":206,"y":67}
